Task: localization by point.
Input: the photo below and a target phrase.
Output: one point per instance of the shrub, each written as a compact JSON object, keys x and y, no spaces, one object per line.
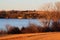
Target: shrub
{"x":30,"y":29}
{"x":56,"y":26}
{"x":14,"y":30}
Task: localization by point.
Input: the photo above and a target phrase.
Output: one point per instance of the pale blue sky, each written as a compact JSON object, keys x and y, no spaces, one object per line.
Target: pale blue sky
{"x":22,"y":4}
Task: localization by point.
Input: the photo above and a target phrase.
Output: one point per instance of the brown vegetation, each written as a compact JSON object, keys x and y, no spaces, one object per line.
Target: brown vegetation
{"x":32,"y":28}
{"x":30,"y":14}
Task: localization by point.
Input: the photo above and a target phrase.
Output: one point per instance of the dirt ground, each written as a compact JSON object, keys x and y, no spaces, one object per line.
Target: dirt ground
{"x":33,"y":36}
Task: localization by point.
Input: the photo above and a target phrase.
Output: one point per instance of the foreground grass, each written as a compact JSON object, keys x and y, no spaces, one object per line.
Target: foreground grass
{"x":33,"y":36}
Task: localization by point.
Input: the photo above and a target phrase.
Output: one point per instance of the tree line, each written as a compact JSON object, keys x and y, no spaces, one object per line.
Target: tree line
{"x":28,"y":14}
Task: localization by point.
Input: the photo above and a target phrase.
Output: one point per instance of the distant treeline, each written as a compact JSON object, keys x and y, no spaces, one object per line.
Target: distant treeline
{"x":32,"y":28}
{"x":28,"y":14}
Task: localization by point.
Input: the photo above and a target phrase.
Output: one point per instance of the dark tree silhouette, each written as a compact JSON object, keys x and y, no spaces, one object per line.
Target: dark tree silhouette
{"x":14,"y":30}
{"x":56,"y":26}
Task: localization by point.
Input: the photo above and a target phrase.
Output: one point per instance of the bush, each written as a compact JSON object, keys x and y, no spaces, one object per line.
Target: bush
{"x":14,"y":30}
{"x":2,"y":32}
{"x":30,"y":29}
{"x":56,"y":26}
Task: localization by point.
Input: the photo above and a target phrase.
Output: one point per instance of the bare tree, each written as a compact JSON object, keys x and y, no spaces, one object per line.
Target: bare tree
{"x":58,"y":6}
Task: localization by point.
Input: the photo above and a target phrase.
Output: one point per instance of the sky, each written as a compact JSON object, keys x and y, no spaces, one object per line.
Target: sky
{"x":23,"y":4}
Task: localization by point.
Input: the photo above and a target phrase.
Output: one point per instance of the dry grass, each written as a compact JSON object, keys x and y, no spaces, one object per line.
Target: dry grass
{"x":33,"y":36}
